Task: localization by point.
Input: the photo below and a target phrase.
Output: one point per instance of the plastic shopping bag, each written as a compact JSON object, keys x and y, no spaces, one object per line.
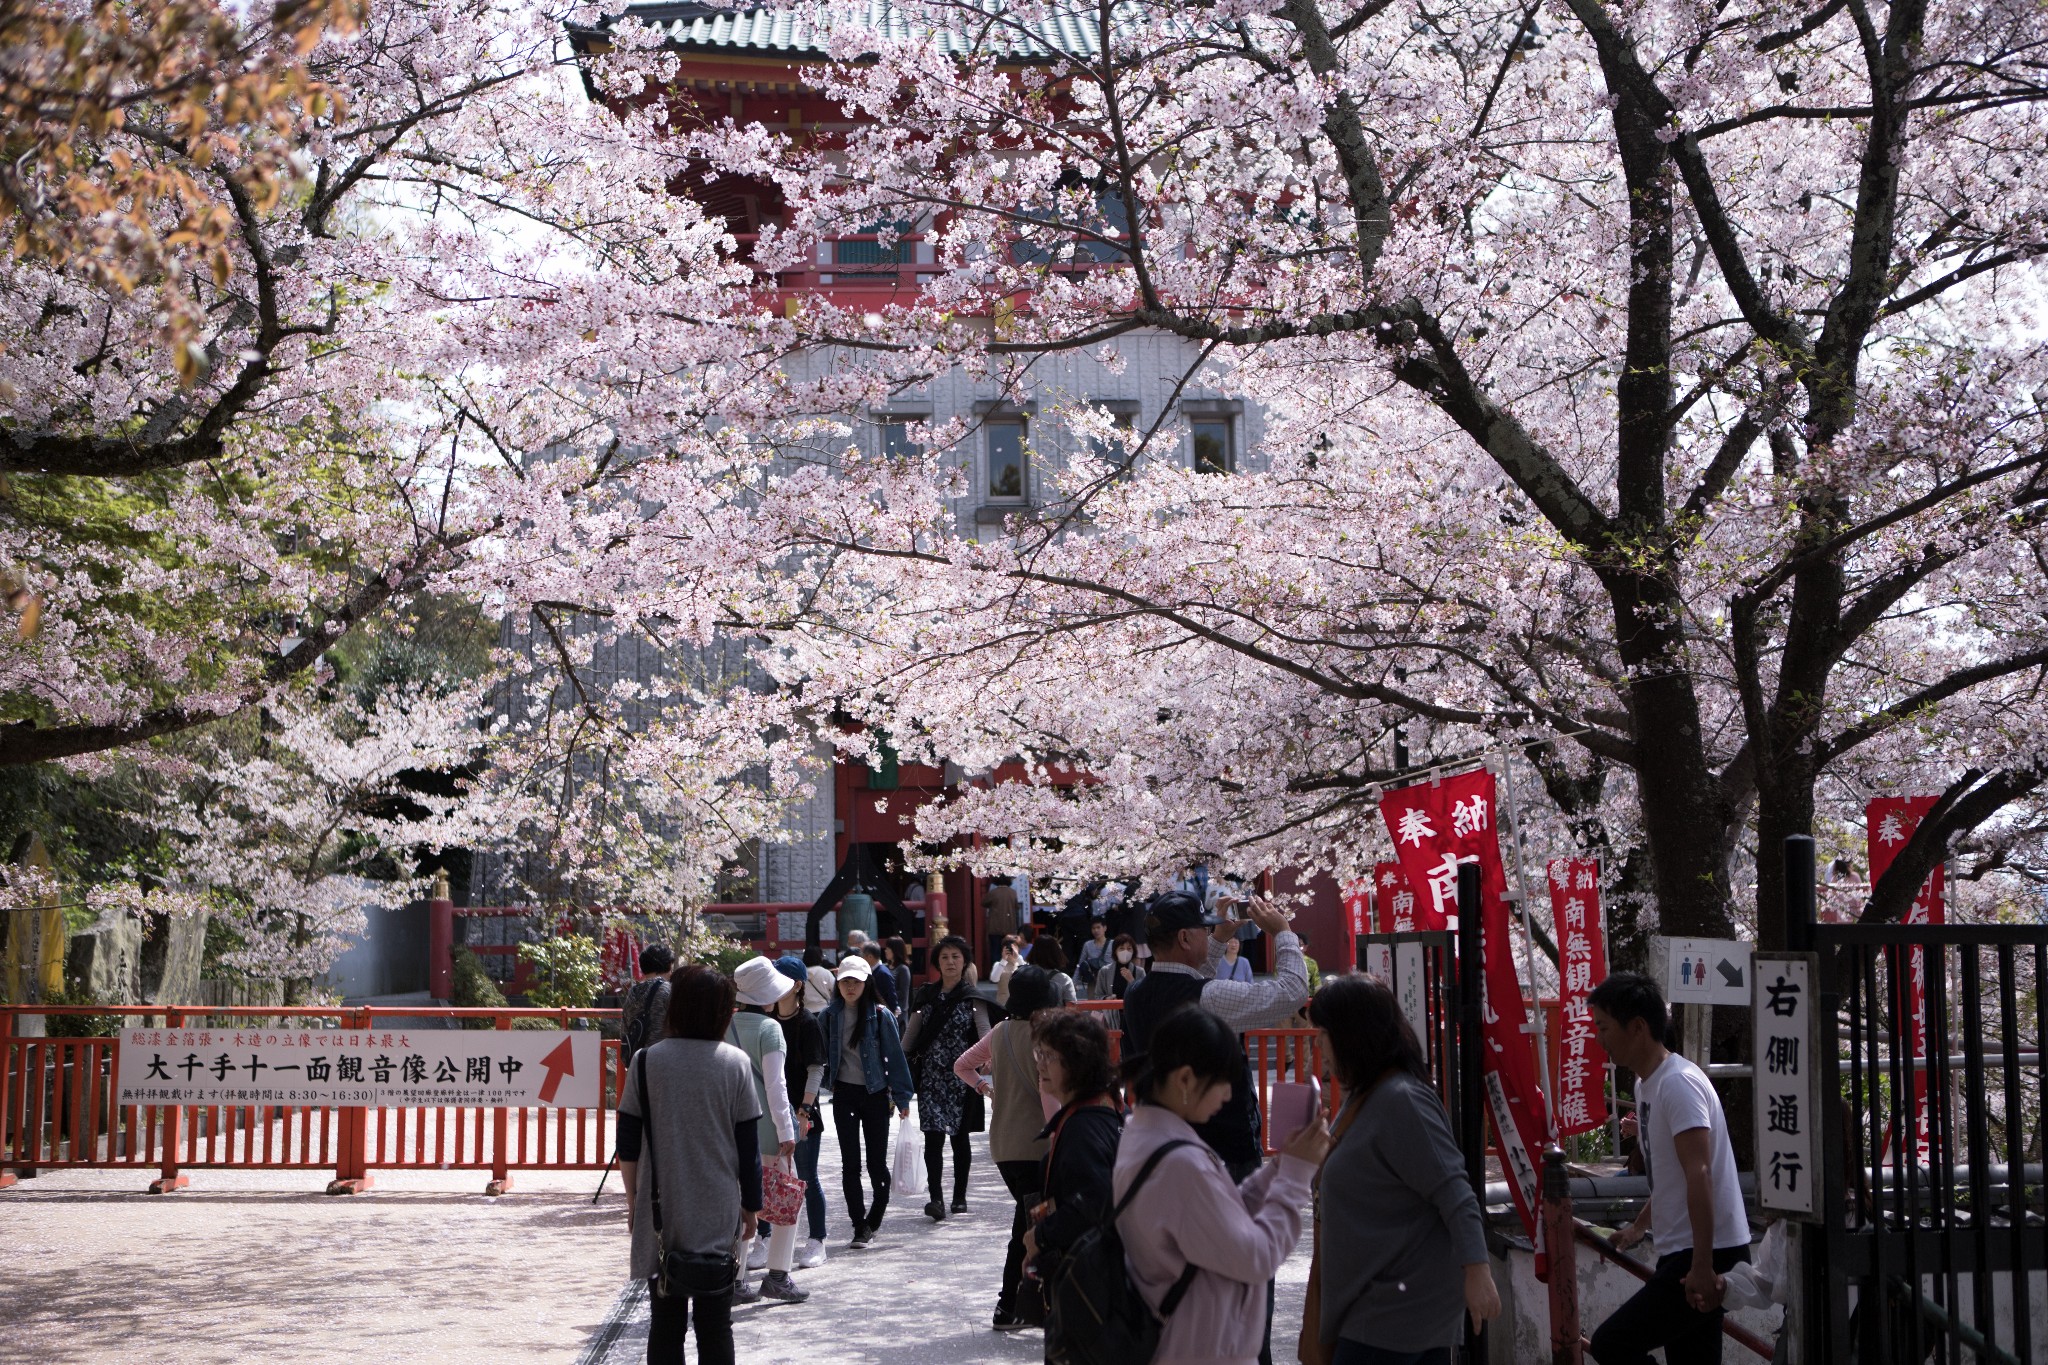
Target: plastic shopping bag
{"x":906,"y":1171}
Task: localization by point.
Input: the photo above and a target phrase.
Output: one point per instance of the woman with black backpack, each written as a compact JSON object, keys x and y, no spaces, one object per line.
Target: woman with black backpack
{"x":946,"y":1020}
{"x":691,"y":1161}
{"x":1201,"y":1247}
{"x":1081,"y":1140}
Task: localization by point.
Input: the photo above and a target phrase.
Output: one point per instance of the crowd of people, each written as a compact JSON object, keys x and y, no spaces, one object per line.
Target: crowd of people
{"x":727,"y":1075}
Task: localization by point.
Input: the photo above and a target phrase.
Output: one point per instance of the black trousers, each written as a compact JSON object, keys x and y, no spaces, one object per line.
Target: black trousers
{"x":857,"y":1115}
{"x":1021,"y":1178}
{"x":1358,"y":1353}
{"x":670,"y":1318}
{"x":1658,"y":1315}
{"x":935,"y":1164}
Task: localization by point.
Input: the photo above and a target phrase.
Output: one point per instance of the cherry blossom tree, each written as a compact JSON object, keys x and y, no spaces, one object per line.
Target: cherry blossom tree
{"x":1654,"y":395}
{"x":293,"y":839}
{"x":454,"y":286}
{"x":318,"y":308}
{"x":228,"y":87}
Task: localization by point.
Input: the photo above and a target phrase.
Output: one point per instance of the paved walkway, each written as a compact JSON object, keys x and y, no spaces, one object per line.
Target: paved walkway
{"x":259,"y":1265}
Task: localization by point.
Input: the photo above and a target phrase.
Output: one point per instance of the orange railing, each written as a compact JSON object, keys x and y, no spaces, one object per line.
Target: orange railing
{"x":1276,"y":1055}
{"x":57,"y":1109}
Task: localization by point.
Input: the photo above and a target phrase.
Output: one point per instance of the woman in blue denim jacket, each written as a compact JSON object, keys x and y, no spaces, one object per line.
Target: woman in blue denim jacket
{"x":866,"y":1072}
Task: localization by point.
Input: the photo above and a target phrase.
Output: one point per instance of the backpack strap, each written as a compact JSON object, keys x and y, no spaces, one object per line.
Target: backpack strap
{"x":1144,"y":1174}
{"x":647,"y":1141}
{"x":1187,"y":1274}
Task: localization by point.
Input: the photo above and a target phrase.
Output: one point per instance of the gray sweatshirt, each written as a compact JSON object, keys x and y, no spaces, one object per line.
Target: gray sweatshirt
{"x":1399,"y":1222}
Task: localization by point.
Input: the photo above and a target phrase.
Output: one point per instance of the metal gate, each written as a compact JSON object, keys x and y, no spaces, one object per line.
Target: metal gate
{"x":1934,"y":1240}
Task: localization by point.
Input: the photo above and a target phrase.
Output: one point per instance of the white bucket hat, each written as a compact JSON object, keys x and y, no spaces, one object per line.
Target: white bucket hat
{"x":759,"y":983}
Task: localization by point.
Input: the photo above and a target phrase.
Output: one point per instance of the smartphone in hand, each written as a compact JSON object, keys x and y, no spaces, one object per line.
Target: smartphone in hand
{"x":1294,"y":1107}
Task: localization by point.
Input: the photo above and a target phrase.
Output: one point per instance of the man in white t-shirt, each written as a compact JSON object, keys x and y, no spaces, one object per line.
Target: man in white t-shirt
{"x":1694,"y":1218}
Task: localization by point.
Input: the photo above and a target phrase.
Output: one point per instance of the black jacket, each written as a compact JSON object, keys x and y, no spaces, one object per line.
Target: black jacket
{"x":804,"y":1048}
{"x":1080,"y":1165}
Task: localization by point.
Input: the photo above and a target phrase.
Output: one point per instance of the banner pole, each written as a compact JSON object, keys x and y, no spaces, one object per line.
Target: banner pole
{"x":1471,"y":1064}
{"x":1542,"y":1030}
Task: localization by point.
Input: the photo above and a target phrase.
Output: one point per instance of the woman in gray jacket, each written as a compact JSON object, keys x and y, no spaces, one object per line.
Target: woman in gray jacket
{"x":1406,"y":1254}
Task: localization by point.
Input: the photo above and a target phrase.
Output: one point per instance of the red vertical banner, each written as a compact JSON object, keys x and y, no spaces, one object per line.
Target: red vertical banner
{"x":1889,"y":821}
{"x":1582,"y":959}
{"x":1437,"y":826}
{"x":1357,"y":918}
{"x":1394,"y":900}
{"x":619,"y":957}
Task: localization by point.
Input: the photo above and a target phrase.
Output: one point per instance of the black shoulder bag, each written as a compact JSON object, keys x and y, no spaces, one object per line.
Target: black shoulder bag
{"x":692,"y":1273}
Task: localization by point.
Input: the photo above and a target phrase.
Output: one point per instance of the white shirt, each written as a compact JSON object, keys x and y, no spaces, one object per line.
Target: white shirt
{"x":1673,"y":1099}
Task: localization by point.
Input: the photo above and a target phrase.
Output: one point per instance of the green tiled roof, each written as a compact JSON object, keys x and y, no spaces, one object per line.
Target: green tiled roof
{"x":800,"y":32}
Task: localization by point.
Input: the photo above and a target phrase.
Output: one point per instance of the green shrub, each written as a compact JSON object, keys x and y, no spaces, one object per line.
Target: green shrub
{"x":567,"y":971}
{"x":472,"y":988}
{"x":725,"y":957}
{"x":79,"y":1025}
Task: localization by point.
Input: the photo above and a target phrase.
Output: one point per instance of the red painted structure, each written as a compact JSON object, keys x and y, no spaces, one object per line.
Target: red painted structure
{"x":57,"y":1108}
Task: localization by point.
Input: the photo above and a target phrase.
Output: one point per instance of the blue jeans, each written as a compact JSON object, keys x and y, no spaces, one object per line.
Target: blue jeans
{"x":1358,"y":1353}
{"x":807,"y":1171}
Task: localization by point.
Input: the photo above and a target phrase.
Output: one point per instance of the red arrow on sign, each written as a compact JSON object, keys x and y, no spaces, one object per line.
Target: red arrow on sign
{"x":559,"y":1063}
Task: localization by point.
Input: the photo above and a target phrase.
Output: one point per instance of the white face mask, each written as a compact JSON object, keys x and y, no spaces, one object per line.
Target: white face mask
{"x":1123,"y":955}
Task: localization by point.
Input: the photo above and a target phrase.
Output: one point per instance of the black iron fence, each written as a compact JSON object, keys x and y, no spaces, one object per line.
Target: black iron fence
{"x":1934,"y":1238}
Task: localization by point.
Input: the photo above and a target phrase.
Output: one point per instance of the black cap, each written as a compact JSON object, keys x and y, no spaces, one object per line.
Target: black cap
{"x":1177,"y":910}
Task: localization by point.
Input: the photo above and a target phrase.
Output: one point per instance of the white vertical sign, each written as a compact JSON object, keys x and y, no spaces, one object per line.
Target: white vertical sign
{"x":1411,"y":988}
{"x":1788,"y":1098}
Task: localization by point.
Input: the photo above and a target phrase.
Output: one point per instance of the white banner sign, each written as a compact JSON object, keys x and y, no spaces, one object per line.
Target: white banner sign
{"x":1788,"y":1095}
{"x":1411,"y":988}
{"x":344,"y":1067}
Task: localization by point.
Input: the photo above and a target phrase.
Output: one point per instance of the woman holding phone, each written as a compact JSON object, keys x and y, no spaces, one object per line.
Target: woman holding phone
{"x":1202,"y":1248}
{"x":1406,"y":1258}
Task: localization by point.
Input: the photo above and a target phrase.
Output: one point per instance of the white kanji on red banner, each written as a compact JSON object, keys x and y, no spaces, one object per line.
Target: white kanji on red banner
{"x":1437,"y":826}
{"x":1889,"y":822}
{"x":1395,"y":910}
{"x":1582,"y":965}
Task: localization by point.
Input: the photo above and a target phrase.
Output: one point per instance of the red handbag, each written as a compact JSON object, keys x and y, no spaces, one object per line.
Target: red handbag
{"x":782,"y":1196}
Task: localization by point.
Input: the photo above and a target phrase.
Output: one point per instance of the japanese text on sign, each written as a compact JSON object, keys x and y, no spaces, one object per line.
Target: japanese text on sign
{"x":1890,"y":823}
{"x":1582,"y":959}
{"x":1436,"y":826}
{"x":382,"y":1067}
{"x":1787,"y":1084}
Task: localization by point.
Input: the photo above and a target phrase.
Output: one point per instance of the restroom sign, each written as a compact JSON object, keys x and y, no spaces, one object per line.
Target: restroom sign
{"x":1708,"y":971}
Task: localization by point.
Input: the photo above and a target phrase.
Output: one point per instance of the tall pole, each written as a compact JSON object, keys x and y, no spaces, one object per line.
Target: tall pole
{"x":1542,"y":1028}
{"x":1471,"y":1058}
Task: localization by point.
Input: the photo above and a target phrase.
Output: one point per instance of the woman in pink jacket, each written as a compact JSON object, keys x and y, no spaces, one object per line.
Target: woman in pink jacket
{"x":1189,"y":1214}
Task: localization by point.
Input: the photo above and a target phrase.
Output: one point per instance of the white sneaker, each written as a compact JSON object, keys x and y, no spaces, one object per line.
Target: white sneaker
{"x":757,"y":1259}
{"x":812,"y":1256}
